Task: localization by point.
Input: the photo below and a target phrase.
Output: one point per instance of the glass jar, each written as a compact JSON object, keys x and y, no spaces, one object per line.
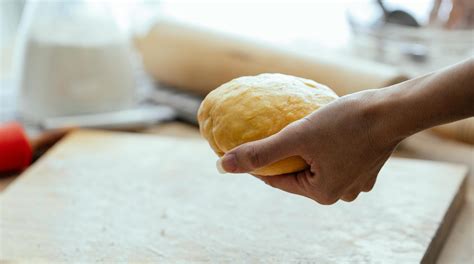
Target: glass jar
{"x":72,"y":58}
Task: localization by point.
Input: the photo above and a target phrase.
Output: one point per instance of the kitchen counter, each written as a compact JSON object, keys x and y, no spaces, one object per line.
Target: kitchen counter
{"x":459,"y":245}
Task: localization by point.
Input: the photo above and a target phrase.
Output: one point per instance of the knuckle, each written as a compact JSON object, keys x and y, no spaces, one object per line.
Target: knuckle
{"x":350,"y":197}
{"x":328,"y":195}
{"x":327,"y":201}
{"x":326,"y":198}
{"x":367,"y":188}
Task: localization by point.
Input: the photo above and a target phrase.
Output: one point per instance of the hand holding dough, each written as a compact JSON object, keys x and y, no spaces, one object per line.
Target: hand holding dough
{"x":255,"y":107}
{"x":346,"y":143}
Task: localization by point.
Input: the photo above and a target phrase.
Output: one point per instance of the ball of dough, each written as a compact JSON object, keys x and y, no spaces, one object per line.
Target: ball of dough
{"x":254,"y":107}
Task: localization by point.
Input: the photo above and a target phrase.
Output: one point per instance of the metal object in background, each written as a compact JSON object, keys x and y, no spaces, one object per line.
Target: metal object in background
{"x":415,"y":50}
{"x":122,"y":120}
{"x":185,"y":104}
{"x":398,"y":17}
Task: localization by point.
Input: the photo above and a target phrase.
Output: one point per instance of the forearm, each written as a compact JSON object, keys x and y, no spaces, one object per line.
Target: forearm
{"x":437,"y":98}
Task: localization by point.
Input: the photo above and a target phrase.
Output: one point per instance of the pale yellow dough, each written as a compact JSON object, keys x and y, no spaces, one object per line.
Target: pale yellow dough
{"x":254,"y":107}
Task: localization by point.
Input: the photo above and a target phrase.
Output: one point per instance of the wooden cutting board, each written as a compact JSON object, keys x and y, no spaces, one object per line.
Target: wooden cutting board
{"x":116,"y":197}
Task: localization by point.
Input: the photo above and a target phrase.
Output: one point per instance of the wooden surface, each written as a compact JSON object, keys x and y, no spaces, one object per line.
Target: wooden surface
{"x":459,"y":247}
{"x":121,"y":197}
{"x":200,"y":59}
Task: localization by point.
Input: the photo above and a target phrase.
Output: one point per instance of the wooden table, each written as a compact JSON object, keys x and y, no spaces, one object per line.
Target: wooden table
{"x":459,"y":246}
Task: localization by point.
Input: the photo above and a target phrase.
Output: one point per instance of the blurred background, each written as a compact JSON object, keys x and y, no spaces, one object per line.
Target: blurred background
{"x":62,"y":58}
{"x":144,"y":66}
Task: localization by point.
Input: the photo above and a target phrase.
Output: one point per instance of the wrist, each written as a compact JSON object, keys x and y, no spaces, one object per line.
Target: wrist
{"x":386,"y":113}
{"x":404,"y":109}
{"x":401,"y":110}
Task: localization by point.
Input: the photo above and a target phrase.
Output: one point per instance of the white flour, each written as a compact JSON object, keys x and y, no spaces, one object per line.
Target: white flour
{"x":75,"y":69}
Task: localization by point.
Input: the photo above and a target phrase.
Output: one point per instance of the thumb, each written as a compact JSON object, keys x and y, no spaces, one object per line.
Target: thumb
{"x":253,"y":155}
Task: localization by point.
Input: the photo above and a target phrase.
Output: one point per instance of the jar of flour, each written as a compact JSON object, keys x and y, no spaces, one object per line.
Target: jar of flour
{"x":72,"y":59}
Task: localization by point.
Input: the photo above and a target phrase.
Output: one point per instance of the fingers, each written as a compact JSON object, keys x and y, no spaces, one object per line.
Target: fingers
{"x":353,"y":192}
{"x":287,"y":183}
{"x":250,"y":156}
{"x":349,"y":197}
{"x":369,"y":185}
{"x":302,"y":183}
{"x":299,"y":183}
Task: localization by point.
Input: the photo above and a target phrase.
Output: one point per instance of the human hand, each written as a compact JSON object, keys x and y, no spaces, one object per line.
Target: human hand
{"x":345,"y":144}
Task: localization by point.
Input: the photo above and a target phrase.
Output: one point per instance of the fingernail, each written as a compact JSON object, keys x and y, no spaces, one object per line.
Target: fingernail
{"x":227,"y":164}
{"x":219,"y":167}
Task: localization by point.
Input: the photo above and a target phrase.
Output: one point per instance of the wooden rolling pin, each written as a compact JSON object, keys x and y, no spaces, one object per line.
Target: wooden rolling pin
{"x":199,"y":60}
